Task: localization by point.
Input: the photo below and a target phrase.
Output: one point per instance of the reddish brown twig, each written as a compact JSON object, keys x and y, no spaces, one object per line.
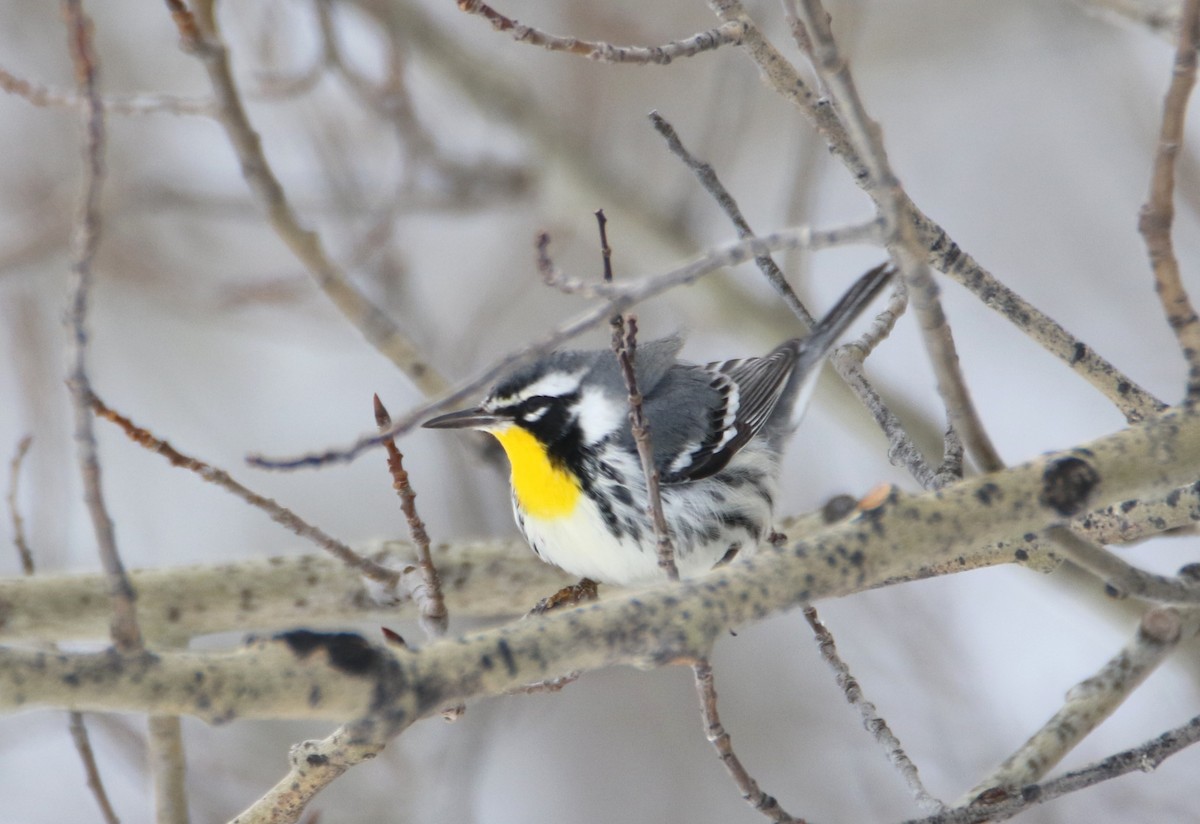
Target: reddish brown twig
{"x":390,"y":578}
{"x":431,"y":606}
{"x":624,"y":346}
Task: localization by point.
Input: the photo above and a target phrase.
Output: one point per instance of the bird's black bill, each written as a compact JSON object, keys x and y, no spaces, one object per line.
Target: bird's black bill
{"x":464,"y":419}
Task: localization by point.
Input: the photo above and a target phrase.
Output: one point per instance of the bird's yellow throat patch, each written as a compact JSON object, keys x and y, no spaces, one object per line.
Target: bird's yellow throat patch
{"x":543,"y":490}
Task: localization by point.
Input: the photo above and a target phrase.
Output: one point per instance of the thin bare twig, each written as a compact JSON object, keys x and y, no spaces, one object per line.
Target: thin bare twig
{"x":84,"y":241}
{"x":83,"y":745}
{"x":625,"y":347}
{"x":719,"y":738}
{"x":730,"y":33}
{"x":616,"y":299}
{"x":200,"y":37}
{"x":75,"y":724}
{"x":389,"y":578}
{"x":14,"y":510}
{"x":1157,"y":215}
{"x":41,"y":95}
{"x":431,"y":606}
{"x":712,"y":184}
{"x":872,"y":721}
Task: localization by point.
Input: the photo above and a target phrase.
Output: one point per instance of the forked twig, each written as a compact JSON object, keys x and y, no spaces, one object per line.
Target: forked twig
{"x":389,"y":578}
{"x":1158,"y":214}
{"x":1093,"y":700}
{"x":939,"y":248}
{"x":1146,"y":757}
{"x":902,"y":238}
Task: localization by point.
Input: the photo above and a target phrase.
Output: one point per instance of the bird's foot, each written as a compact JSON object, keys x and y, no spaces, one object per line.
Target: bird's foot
{"x":569,"y":596}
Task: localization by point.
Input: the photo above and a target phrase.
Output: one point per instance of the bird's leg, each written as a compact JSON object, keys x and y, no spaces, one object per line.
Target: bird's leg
{"x":568,"y":596}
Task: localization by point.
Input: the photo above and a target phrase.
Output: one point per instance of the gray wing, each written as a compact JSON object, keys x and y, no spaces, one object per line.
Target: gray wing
{"x":702,"y":415}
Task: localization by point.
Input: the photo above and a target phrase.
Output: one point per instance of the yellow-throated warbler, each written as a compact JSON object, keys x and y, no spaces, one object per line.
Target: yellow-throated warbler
{"x":717,"y":430}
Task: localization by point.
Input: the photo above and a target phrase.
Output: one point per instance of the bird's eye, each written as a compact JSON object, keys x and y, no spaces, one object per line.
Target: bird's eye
{"x":535,"y":408}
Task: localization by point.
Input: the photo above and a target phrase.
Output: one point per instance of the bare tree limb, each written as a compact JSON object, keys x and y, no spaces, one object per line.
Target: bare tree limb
{"x":1093,"y":700}
{"x":1145,"y":757}
{"x":894,"y":535}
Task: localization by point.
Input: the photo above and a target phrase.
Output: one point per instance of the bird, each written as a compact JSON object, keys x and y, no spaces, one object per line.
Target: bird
{"x":717,"y":432}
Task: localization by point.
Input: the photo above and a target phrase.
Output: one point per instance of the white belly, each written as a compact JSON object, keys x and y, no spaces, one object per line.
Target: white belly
{"x":583,"y":544}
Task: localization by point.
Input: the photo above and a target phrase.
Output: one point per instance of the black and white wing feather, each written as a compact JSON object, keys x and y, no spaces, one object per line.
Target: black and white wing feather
{"x":747,"y":392}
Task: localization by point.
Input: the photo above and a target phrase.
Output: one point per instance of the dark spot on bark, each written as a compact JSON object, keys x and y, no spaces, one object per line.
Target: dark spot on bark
{"x":1128,"y":505}
{"x":987,"y":493}
{"x":1079,"y":353}
{"x":857,"y":557}
{"x":1022,"y":555}
{"x":837,"y":508}
{"x":485,"y":661}
{"x":1067,"y":484}
{"x":347,"y":651}
{"x":1123,"y":387}
{"x":507,"y":656}
{"x":173,"y":615}
{"x":1173,"y":498}
{"x":317,"y":760}
{"x":71,"y":679}
{"x":314,"y":696}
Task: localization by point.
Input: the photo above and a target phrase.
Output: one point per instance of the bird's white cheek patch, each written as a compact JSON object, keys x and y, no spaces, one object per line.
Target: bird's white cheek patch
{"x":599,"y":415}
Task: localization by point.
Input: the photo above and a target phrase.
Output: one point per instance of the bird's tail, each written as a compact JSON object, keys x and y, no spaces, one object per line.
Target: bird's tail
{"x":812,"y":349}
